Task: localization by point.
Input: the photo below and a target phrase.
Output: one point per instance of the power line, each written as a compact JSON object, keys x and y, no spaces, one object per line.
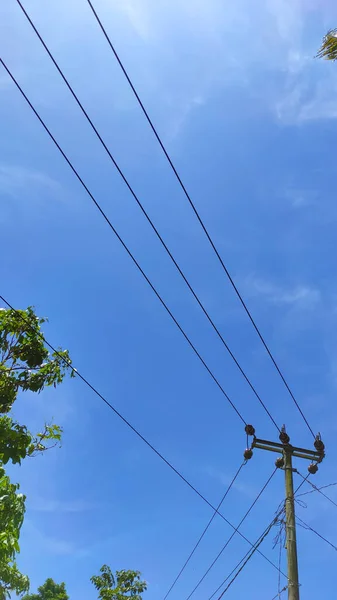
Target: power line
{"x":279,"y":540}
{"x":210,"y":320}
{"x":306,"y":526}
{"x":198,"y":215}
{"x":124,"y":244}
{"x":280,"y":510}
{"x":118,"y":414}
{"x":317,"y":489}
{"x":278,"y":595}
{"x":232,"y":535}
{"x":243,"y":562}
{"x":204,"y":531}
{"x":321,"y":488}
{"x":156,"y":293}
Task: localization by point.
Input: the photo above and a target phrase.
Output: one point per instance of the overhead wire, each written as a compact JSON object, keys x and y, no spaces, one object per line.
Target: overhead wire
{"x":136,"y":198}
{"x":247,"y":557}
{"x":317,"y":489}
{"x":205,"y":530}
{"x":309,"y":528}
{"x":279,"y":540}
{"x":278,"y":595}
{"x":132,"y":427}
{"x":136,"y":263}
{"x":231,"y":536}
{"x":203,"y":226}
{"x":280,"y":510}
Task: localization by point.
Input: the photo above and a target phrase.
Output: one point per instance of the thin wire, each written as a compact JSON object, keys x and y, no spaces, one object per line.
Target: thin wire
{"x":279,"y":512}
{"x":204,"y":531}
{"x":280,"y":559}
{"x":124,"y":244}
{"x":167,"y":462}
{"x":319,"y":490}
{"x":278,"y":595}
{"x":147,"y":216}
{"x":232,"y":535}
{"x":306,"y":526}
{"x":198,"y":215}
{"x":246,"y":558}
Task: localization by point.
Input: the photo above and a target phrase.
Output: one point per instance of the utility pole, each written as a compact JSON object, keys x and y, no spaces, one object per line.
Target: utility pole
{"x":284,"y":462}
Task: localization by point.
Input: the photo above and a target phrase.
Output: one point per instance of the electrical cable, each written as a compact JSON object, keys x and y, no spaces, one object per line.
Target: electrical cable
{"x":281,"y":543}
{"x":306,"y":526}
{"x":321,"y":488}
{"x":216,"y":381}
{"x":316,"y":489}
{"x":118,"y":414}
{"x":198,"y":216}
{"x":280,"y":510}
{"x":210,"y":320}
{"x":231,"y":536}
{"x":242,"y":563}
{"x":278,"y":595}
{"x":205,"y":530}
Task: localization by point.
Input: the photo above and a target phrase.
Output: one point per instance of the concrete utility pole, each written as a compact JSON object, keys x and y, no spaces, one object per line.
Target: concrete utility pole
{"x":285,"y":462}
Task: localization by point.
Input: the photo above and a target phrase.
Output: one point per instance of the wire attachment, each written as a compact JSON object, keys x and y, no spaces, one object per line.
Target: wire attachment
{"x":284,"y":437}
{"x":250,"y":430}
{"x":248,"y":453}
{"x":320,"y":446}
{"x":313,"y":468}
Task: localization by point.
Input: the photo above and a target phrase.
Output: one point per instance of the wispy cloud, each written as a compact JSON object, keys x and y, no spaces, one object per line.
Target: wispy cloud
{"x":40,"y":504}
{"x":308,"y":100}
{"x":223,"y":41}
{"x":49,"y":544}
{"x":15,"y":178}
{"x":224,"y":479}
{"x":302,"y":296}
{"x":300,"y":198}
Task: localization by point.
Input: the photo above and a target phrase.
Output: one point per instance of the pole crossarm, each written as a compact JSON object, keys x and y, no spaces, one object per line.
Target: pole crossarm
{"x":284,"y":462}
{"x":280,"y":448}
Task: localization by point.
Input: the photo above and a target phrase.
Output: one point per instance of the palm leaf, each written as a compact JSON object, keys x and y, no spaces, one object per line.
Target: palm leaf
{"x":328,"y":49}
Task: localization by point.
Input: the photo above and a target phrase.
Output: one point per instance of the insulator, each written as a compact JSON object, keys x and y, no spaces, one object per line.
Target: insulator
{"x":279,"y":462}
{"x":319,"y":445}
{"x":248,"y":453}
{"x":312,"y":468}
{"x":284,"y":437}
{"x":250,"y":430}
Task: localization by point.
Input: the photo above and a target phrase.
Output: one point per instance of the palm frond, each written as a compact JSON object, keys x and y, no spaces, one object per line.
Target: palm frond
{"x":328,"y":49}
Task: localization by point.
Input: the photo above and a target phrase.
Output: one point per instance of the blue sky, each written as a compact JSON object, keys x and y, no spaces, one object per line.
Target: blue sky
{"x":249,"y":118}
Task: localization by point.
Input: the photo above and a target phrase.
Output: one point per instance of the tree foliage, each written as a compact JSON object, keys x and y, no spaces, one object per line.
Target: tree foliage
{"x":49,"y":591}
{"x":25,"y":365}
{"x":25,"y":361}
{"x":12,"y":510}
{"x":122,"y":585}
{"x":328,"y":49}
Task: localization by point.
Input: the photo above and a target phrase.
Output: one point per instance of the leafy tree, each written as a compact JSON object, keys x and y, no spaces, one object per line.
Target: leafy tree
{"x":12,"y":510}
{"x":49,"y":591}
{"x":328,"y":49}
{"x":25,"y":365}
{"x":125,"y":584}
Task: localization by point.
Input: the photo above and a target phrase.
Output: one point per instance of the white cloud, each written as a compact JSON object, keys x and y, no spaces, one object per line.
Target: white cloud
{"x":300,"y":198}
{"x":35,"y":538}
{"x":232,"y":43}
{"x":14,"y":179}
{"x":225,"y":480}
{"x":301,"y":296}
{"x":309,"y":100}
{"x":40,"y":504}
